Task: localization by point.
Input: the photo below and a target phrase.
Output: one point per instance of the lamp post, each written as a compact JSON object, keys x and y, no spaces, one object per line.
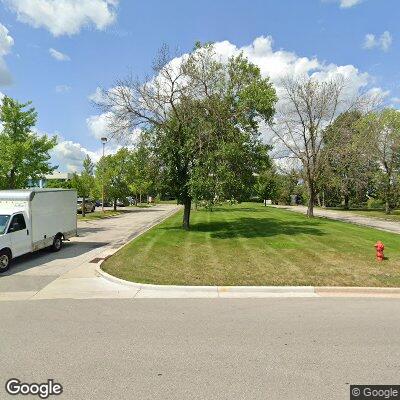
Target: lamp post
{"x":103,"y":142}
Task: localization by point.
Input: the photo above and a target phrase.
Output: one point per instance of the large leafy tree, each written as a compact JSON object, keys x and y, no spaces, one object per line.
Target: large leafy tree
{"x":382,"y":132}
{"x":307,"y":107}
{"x":84,"y":183}
{"x":267,"y":185}
{"x":203,"y":121}
{"x":348,"y":165}
{"x":24,"y":154}
{"x":113,"y":172}
{"x":143,"y":171}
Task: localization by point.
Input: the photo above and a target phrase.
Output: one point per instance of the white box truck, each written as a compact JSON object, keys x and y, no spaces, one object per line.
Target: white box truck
{"x":31,"y":220}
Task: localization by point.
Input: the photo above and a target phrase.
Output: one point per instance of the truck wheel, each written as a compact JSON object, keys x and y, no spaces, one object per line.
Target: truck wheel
{"x":5,"y":259}
{"x":57,"y":243}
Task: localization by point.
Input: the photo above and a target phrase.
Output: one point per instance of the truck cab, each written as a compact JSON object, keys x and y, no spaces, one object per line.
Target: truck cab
{"x":15,"y":237}
{"x":17,"y":233}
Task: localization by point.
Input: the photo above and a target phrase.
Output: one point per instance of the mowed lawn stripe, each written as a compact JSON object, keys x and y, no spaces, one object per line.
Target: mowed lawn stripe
{"x":249,"y":244}
{"x":216,"y":261}
{"x":263,"y":253}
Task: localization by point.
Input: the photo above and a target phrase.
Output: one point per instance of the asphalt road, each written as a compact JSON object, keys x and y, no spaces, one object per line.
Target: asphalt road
{"x":202,"y":349}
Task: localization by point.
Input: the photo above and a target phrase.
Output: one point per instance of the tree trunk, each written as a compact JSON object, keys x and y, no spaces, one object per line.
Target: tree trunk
{"x":346,"y":202}
{"x":311,"y":200}
{"x":387,"y":204}
{"x":83,"y":207}
{"x":387,"y":198}
{"x":11,"y":180}
{"x":140,"y":198}
{"x":186,"y":214}
{"x":323,"y":199}
{"x":319,"y":200}
{"x":115,"y":204}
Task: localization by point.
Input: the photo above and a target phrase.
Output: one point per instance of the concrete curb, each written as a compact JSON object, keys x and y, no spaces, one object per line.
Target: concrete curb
{"x":149,"y":286}
{"x":222,"y":289}
{"x":336,"y":291}
{"x":178,"y":291}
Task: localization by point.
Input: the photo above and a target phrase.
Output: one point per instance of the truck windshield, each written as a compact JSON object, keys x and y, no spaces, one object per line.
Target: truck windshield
{"x":3,"y":223}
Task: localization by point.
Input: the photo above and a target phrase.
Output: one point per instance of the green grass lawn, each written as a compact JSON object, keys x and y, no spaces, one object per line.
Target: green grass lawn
{"x":144,"y":205}
{"x":249,"y":244}
{"x":100,"y":215}
{"x":167,"y":202}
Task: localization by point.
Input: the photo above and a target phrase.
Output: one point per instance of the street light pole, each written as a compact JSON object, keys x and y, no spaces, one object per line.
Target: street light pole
{"x":103,"y":141}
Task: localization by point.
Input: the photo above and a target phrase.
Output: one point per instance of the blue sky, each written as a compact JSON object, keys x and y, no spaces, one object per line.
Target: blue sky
{"x":98,"y":41}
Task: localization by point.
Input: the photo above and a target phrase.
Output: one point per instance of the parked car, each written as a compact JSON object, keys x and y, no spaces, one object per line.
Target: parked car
{"x":89,"y":206}
{"x":31,"y":220}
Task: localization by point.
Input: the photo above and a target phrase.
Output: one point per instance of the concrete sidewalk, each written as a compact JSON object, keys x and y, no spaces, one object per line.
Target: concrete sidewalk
{"x":345,"y":216}
{"x":71,"y":273}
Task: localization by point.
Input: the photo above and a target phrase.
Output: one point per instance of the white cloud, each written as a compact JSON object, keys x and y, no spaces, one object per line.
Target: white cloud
{"x":383,"y":42}
{"x":65,"y":17}
{"x":97,"y":96}
{"x":63,"y":88}
{"x":57,"y":55}
{"x":279,"y":64}
{"x":69,"y":155}
{"x":349,"y":3}
{"x":395,"y":102}
{"x":344,"y":3}
{"x":386,"y":40}
{"x":99,"y":125}
{"x":370,"y":41}
{"x":6,"y":43}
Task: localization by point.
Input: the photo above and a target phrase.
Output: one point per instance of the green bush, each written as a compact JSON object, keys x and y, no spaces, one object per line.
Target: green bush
{"x":375,"y":203}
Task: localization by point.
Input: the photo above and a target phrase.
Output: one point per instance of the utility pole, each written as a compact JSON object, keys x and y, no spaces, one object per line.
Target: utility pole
{"x":103,"y":142}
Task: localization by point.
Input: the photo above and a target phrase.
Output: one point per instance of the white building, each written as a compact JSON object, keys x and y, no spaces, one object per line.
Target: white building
{"x":56,"y":175}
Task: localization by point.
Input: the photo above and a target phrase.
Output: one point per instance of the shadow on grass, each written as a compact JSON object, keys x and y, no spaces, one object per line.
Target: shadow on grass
{"x":253,"y":228}
{"x":233,"y":209}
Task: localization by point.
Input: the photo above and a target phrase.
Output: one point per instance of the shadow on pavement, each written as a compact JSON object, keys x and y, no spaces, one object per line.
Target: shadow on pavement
{"x":39,"y":258}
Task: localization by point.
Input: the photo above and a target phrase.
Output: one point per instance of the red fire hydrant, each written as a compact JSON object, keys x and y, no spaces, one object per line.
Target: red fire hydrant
{"x":379,"y":246}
